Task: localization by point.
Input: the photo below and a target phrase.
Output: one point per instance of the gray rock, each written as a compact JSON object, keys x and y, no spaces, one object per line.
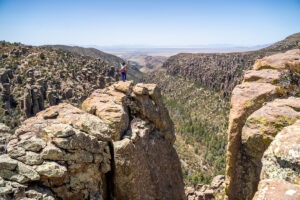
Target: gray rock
{"x":13,"y":176}
{"x":51,"y":170}
{"x":7,"y":163}
{"x":217,"y":181}
{"x":28,"y":171}
{"x":31,"y":158}
{"x":33,"y":144}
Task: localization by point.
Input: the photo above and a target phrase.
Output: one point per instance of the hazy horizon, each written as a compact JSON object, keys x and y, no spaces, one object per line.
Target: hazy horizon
{"x":134,"y":23}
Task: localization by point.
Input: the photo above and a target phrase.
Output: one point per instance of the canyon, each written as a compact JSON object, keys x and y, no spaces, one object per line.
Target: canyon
{"x":70,"y":129}
{"x":123,"y":142}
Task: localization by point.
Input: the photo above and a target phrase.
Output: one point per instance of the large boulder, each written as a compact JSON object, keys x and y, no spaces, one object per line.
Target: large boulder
{"x":253,"y":122}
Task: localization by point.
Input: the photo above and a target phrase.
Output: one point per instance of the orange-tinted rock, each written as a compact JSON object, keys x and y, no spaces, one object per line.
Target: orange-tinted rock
{"x":145,"y":162}
{"x":253,"y":123}
{"x":280,"y":61}
{"x":277,"y":190}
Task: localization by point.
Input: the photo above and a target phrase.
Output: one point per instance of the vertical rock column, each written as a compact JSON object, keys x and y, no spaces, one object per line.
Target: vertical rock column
{"x":146,"y":165}
{"x":262,"y":84}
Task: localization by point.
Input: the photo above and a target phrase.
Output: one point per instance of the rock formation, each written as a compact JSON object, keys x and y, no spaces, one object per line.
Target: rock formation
{"x":121,"y":148}
{"x":145,"y":162}
{"x":34,"y":78}
{"x":280,"y":166}
{"x":267,"y":101}
{"x":58,"y":151}
{"x":4,"y":135}
{"x":194,"y":86}
{"x":214,"y":191}
{"x":222,"y":71}
{"x":133,"y":72}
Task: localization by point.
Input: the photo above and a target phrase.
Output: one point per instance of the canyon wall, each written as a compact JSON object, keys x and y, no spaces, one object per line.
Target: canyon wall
{"x":35,"y":78}
{"x":264,"y":132}
{"x":222,"y":71}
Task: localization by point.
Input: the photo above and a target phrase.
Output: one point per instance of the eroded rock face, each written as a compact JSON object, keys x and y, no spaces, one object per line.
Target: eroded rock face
{"x":146,"y":165}
{"x":35,"y":78}
{"x":280,"y":174}
{"x":277,"y":190}
{"x":280,"y":61}
{"x":282,"y":159}
{"x":145,"y":162}
{"x":62,"y":149}
{"x":257,"y":116}
{"x":4,"y":137}
{"x":121,"y":149}
{"x":223,"y":71}
{"x":259,"y":131}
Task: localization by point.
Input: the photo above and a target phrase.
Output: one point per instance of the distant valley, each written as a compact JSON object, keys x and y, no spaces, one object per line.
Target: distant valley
{"x":197,"y":89}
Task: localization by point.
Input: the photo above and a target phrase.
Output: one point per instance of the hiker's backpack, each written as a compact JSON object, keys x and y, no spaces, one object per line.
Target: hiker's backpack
{"x":122,"y":70}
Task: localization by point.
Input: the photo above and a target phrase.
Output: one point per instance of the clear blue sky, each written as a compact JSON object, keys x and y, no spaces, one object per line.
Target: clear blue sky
{"x":148,"y":22}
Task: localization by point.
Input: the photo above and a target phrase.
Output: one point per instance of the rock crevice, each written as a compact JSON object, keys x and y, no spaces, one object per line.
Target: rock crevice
{"x":123,"y":142}
{"x":143,"y":138}
{"x":265,"y":103}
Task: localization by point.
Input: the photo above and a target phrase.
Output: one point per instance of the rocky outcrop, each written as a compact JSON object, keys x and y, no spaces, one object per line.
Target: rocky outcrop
{"x":277,"y":190}
{"x":145,"y":162}
{"x":281,"y":160}
{"x":62,"y":152}
{"x":35,"y":78}
{"x":222,"y":71}
{"x":124,"y":142}
{"x":4,"y":137}
{"x":207,"y":192}
{"x":266,"y":102}
{"x":133,"y":72}
{"x":259,"y":131}
{"x":280,"y":177}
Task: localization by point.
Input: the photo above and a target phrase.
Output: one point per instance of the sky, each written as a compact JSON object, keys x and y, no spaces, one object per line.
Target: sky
{"x":170,"y":23}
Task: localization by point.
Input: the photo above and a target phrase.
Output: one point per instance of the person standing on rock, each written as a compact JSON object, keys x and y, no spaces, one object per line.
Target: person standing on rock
{"x":123,"y":70}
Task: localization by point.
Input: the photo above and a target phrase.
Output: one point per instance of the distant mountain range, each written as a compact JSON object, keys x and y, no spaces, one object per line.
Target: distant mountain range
{"x":209,"y":47}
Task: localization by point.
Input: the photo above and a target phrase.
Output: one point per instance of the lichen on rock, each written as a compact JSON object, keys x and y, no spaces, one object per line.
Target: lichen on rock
{"x":261,"y":107}
{"x":145,"y":162}
{"x":51,"y":150}
{"x":124,"y":142}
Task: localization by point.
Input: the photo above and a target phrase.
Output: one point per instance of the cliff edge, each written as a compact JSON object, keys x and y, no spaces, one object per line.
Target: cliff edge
{"x":263,"y":134}
{"x":120,"y":148}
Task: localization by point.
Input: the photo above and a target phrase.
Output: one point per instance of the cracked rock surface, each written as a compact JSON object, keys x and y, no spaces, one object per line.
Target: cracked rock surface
{"x":123,"y":142}
{"x":264,"y":128}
